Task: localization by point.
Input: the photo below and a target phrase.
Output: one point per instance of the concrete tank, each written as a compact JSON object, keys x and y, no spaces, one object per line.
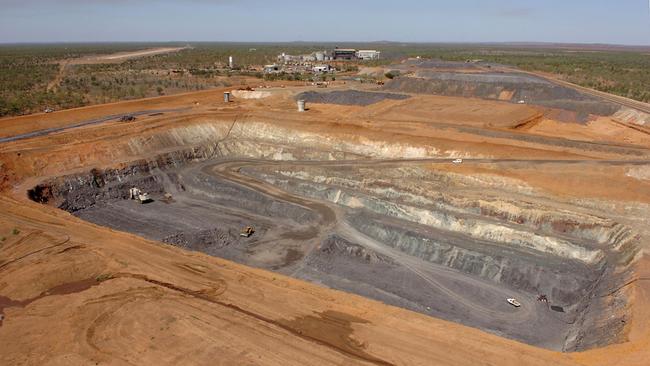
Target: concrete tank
{"x":226,"y":97}
{"x":301,"y":106}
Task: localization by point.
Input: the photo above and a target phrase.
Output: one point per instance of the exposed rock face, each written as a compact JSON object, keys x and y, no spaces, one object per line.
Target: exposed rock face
{"x":487,"y":229}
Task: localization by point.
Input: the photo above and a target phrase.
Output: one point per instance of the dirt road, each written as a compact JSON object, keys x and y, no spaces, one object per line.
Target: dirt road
{"x":90,"y":122}
{"x":121,"y":56}
{"x":59,"y":75}
{"x":111,"y":58}
{"x":135,"y":54}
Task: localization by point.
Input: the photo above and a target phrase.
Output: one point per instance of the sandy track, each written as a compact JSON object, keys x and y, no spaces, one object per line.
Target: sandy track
{"x":112,"y":58}
{"x":59,"y":75}
{"x":122,"y":56}
{"x":127,"y":55}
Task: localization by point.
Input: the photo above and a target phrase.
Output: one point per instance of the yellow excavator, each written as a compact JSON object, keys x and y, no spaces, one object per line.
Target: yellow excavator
{"x":247,"y":232}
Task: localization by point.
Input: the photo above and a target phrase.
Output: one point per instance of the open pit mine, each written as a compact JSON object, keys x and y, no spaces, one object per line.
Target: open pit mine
{"x":449,"y":217}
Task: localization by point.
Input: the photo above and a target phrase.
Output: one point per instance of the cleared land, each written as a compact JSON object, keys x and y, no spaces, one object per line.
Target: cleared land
{"x":35,"y":77}
{"x":105,"y":59}
{"x":371,"y":246}
{"x":128,"y":55}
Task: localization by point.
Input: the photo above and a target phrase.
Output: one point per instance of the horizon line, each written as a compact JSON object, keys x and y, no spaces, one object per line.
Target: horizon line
{"x":331,"y":42}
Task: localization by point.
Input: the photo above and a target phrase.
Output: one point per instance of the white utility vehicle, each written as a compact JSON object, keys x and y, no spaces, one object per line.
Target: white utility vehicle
{"x":514,"y":302}
{"x":458,"y":161}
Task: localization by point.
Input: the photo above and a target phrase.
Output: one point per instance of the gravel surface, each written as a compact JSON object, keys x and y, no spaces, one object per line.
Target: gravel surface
{"x":349,"y":97}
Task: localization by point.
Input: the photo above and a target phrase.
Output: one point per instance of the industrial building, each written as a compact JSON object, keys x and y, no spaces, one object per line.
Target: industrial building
{"x":367,"y":55}
{"x":338,"y":54}
{"x":316,"y":62}
{"x":344,"y":54}
{"x":312,"y":57}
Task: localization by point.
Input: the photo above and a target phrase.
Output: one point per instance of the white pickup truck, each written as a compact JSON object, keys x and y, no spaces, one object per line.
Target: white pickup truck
{"x":513,"y":302}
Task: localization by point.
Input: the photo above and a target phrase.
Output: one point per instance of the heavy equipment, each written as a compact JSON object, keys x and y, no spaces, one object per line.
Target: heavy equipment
{"x":542,"y":298}
{"x":247,"y":232}
{"x":127,"y":118}
{"x":138,"y":195}
{"x":514,"y":302}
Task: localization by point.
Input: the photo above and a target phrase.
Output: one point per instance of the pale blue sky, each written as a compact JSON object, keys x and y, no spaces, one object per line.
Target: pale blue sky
{"x":583,"y":21}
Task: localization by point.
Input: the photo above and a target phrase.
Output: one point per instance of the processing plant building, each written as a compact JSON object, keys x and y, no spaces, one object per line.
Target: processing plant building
{"x":367,"y":55}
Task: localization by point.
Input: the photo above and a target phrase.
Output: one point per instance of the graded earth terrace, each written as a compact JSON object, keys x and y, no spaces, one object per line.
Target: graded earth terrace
{"x":391,"y":224}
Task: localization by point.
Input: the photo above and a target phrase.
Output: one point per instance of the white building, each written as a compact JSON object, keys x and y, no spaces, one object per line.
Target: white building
{"x":323,"y":69}
{"x":368,"y":54}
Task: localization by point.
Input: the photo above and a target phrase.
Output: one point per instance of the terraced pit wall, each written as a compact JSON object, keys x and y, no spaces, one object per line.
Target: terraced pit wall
{"x":571,"y":257}
{"x":467,"y":224}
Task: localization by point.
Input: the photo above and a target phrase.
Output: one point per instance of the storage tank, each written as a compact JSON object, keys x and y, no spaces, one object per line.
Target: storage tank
{"x":226,"y":97}
{"x":301,"y":105}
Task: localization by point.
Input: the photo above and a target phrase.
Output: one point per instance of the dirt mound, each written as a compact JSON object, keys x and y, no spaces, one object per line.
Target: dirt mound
{"x":349,"y":97}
